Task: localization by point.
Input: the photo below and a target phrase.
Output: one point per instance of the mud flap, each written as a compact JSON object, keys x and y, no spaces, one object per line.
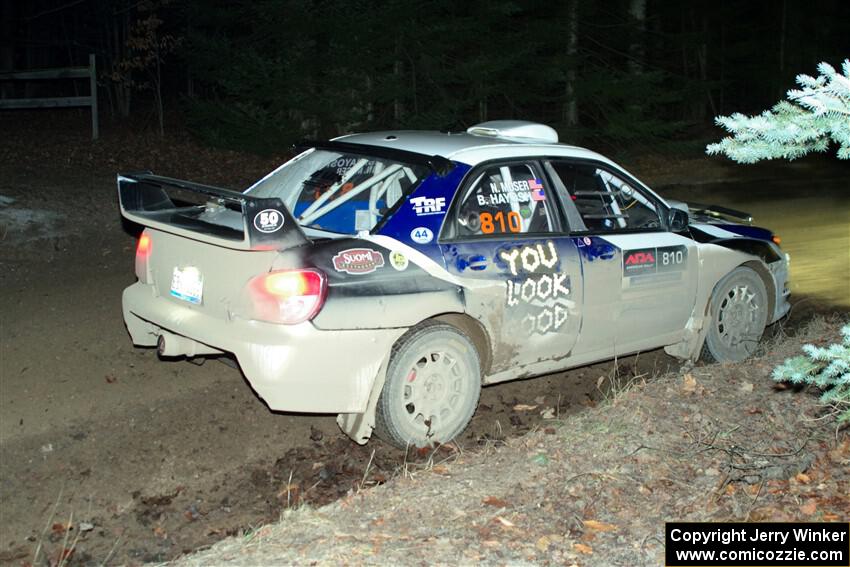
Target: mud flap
{"x":359,"y":426}
{"x":690,"y":346}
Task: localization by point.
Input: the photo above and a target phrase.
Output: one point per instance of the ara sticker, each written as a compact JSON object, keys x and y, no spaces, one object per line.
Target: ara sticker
{"x":421,"y":235}
{"x":654,"y":260}
{"x":358,"y":261}
{"x":268,"y":221}
{"x":398,"y":260}
{"x":639,"y":262}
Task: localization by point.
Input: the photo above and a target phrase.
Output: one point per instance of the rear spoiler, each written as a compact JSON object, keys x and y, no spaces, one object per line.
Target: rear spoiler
{"x":184,"y":208}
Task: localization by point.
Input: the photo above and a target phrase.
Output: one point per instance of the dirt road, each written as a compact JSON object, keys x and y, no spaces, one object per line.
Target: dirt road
{"x":147,"y":459}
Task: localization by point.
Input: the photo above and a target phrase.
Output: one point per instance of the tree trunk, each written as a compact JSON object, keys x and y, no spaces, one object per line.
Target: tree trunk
{"x":637,"y":48}
{"x":7,"y":49}
{"x":158,"y":91}
{"x":398,"y":106}
{"x":570,"y":113}
{"x":782,"y":34}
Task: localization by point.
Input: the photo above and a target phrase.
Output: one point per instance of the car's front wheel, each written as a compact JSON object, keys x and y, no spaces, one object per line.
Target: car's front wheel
{"x":738,"y":311}
{"x":432,"y":387}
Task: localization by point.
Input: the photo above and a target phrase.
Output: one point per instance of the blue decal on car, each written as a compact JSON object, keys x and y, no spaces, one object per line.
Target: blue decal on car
{"x":595,"y":248}
{"x":748,"y":231}
{"x":424,"y":210}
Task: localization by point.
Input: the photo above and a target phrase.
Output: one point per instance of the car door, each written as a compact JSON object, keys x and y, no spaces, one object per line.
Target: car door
{"x":639,"y":278}
{"x":520,"y":271}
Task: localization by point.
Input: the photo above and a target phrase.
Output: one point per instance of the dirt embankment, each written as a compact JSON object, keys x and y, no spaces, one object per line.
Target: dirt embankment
{"x":711,"y":443}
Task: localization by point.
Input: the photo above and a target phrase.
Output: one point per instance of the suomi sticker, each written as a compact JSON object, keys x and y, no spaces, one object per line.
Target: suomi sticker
{"x":358,"y":261}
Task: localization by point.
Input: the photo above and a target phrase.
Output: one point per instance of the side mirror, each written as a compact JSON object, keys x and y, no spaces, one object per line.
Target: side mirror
{"x":677,"y":220}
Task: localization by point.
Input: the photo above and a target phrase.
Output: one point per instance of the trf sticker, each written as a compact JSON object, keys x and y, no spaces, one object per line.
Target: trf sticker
{"x":358,"y":261}
{"x":424,"y":206}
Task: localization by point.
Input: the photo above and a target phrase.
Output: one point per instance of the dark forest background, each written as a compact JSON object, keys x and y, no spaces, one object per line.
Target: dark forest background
{"x":257,"y":75}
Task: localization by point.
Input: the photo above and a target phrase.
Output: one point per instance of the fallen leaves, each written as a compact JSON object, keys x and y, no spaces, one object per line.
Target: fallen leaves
{"x":598,"y":526}
{"x":691,"y":386}
{"x":548,"y":413}
{"x":543,"y":543}
{"x":810,"y":507}
{"x":583,"y":548}
{"x":440,"y":469}
{"x":495,"y":502}
{"x":60,"y":528}
{"x":506,"y":523}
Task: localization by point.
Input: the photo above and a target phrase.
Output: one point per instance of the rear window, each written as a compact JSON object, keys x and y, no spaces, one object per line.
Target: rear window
{"x":339,"y":192}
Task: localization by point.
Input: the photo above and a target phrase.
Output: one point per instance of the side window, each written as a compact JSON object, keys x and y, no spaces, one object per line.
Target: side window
{"x":605,"y":201}
{"x":504,"y":200}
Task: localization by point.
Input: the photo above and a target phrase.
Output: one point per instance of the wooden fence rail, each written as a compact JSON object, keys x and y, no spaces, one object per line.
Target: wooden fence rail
{"x":56,"y":102}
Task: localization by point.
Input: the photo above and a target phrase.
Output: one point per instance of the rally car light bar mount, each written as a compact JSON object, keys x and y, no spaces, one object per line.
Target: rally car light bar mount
{"x":149,"y":200}
{"x":438,"y":164}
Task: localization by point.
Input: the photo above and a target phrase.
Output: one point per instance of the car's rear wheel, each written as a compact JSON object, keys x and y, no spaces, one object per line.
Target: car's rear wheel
{"x":432,"y":387}
{"x":738,"y":311}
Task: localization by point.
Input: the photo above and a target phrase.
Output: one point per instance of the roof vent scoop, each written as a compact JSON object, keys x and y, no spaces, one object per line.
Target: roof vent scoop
{"x":518,"y":130}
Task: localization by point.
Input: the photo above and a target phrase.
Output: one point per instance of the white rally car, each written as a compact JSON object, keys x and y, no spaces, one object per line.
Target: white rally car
{"x":385,"y":277}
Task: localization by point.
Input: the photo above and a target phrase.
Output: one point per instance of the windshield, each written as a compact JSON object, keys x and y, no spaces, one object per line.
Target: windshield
{"x":338,"y":191}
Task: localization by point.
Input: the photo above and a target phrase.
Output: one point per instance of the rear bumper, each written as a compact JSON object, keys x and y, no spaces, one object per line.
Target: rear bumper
{"x":292,"y":367}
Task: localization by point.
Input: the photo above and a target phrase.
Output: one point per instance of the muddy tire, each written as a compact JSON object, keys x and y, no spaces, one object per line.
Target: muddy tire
{"x":432,"y":387}
{"x":738,"y":315}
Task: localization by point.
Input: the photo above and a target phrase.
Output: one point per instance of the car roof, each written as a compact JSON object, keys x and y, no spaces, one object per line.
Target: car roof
{"x":482,"y":142}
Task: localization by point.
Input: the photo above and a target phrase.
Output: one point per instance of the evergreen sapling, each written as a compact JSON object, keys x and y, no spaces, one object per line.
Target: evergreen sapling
{"x":815,"y":115}
{"x":828,"y":368}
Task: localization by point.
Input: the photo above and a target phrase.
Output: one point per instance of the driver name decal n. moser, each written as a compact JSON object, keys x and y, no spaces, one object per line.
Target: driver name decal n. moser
{"x":358,"y":261}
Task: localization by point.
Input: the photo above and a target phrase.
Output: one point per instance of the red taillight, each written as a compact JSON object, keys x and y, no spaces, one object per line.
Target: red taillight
{"x":288,"y":284}
{"x":289,"y":297}
{"x":143,"y":252}
{"x":144,"y":247}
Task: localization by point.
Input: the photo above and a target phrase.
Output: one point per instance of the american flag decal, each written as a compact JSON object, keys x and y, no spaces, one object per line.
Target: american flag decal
{"x":536,"y":188}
